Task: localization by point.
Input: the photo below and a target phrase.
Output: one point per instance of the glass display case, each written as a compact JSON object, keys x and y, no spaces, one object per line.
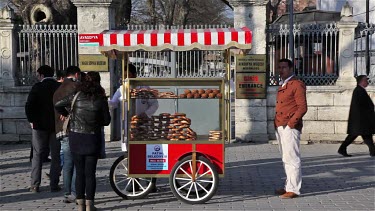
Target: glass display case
{"x":189,"y":110}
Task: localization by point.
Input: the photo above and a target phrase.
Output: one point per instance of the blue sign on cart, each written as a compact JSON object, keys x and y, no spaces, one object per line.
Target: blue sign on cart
{"x":157,"y":157}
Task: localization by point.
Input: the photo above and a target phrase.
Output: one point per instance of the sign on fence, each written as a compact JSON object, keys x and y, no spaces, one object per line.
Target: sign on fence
{"x":93,"y":62}
{"x":251,"y":63}
{"x":251,"y":76}
{"x":88,"y":39}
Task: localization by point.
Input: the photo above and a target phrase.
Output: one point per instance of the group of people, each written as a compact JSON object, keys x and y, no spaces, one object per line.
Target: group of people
{"x":48,"y":105}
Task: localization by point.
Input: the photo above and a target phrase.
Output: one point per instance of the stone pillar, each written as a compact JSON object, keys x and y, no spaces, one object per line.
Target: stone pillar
{"x":346,"y":27}
{"x":95,"y":16}
{"x":251,"y":114}
{"x":8,"y":48}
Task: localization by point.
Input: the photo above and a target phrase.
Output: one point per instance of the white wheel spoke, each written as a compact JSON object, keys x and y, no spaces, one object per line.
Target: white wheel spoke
{"x":206,"y":181}
{"x":203,"y":188}
{"x":133,"y":187}
{"x":123,"y":180}
{"x":188,"y":193}
{"x":184,"y":179}
{"x":125,"y":166}
{"x":196,"y":173}
{"x":127,"y":185}
{"x":204,"y":174}
{"x":196,"y":190}
{"x":184,"y":185}
{"x":187,"y":174}
{"x":139,"y":184}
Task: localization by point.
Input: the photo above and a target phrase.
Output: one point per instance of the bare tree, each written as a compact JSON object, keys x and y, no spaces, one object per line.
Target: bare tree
{"x":273,"y":7}
{"x":46,"y":11}
{"x":179,"y":12}
{"x":279,"y":7}
{"x":123,"y":12}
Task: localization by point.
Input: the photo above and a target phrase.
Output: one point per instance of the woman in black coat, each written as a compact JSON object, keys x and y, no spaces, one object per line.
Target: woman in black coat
{"x":89,"y":114}
{"x":361,"y":118}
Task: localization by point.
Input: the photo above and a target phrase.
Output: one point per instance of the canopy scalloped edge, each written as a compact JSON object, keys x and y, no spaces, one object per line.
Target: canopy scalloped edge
{"x":169,"y":47}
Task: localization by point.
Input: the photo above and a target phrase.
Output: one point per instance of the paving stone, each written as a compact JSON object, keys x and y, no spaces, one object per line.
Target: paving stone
{"x":253,"y":171}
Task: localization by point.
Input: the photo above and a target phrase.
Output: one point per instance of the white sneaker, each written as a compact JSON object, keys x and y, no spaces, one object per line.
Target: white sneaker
{"x":69,"y":198}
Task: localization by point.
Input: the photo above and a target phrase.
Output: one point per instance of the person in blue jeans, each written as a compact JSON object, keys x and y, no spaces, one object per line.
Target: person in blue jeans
{"x":69,"y":172}
{"x":67,"y":87}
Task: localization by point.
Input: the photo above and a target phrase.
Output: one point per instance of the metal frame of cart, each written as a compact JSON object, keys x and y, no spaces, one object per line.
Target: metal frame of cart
{"x":193,"y":167}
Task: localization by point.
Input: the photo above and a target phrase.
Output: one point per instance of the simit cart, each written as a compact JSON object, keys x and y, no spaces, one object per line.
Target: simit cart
{"x":185,"y":140}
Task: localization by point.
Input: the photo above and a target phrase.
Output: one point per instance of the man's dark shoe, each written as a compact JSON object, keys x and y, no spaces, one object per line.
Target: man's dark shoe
{"x":288,"y":195}
{"x":343,"y":153}
{"x":47,"y":160}
{"x":55,"y":189}
{"x":280,"y":191}
{"x":154,"y":189}
{"x":34,"y":189}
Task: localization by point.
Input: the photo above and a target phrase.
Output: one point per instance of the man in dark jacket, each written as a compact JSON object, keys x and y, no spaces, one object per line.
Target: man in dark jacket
{"x":361,"y":118}
{"x":40,"y":113}
{"x":68,"y":86}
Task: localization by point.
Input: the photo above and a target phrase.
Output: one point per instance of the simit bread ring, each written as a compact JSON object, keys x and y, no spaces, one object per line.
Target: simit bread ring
{"x":211,"y":95}
{"x":215,"y":91}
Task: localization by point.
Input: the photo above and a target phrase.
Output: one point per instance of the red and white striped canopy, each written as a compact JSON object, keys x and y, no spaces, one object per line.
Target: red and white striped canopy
{"x":175,"y":39}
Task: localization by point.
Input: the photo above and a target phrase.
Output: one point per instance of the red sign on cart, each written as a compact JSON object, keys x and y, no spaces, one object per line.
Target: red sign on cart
{"x":157,"y":157}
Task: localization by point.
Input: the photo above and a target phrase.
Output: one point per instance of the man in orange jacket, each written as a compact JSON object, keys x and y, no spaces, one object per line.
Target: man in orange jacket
{"x":291,"y":106}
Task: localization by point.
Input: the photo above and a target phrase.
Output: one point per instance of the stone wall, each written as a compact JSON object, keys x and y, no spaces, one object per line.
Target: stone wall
{"x":14,"y":126}
{"x":327,"y":115}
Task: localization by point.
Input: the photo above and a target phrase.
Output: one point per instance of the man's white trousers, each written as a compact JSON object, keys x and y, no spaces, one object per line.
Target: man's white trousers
{"x":289,"y":141}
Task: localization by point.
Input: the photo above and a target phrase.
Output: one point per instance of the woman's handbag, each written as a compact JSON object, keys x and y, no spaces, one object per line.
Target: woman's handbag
{"x":67,"y":119}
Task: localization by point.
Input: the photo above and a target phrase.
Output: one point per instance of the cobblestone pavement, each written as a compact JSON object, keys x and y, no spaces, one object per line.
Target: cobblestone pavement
{"x":253,"y":171}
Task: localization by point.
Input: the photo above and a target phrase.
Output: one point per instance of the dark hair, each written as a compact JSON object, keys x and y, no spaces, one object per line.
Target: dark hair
{"x":72,"y":70}
{"x":46,"y":71}
{"x":133,"y":70}
{"x":91,"y":86}
{"x":290,"y":63}
{"x":359,"y":78}
{"x":83,"y":76}
{"x":60,"y":74}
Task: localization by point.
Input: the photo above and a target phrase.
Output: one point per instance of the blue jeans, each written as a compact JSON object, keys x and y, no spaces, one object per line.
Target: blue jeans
{"x":69,"y":171}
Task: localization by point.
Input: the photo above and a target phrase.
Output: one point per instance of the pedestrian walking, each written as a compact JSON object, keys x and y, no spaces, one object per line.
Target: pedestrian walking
{"x":40,"y":113}
{"x":89,"y":114}
{"x":291,"y":106}
{"x":68,"y":87}
{"x":361,"y":118}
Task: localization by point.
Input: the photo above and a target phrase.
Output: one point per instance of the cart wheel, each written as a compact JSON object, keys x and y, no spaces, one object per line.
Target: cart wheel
{"x":128,"y":187}
{"x":194,"y":192}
